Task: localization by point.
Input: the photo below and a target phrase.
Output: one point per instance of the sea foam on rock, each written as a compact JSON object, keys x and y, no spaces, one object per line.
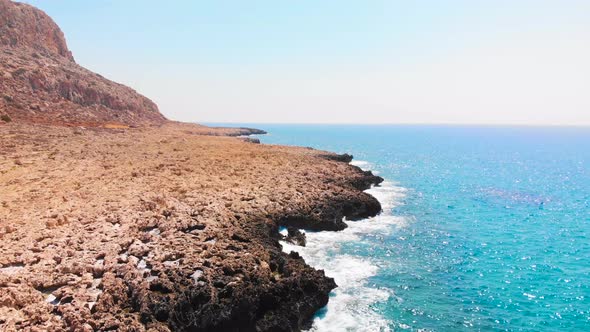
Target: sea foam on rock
{"x":349,"y":307}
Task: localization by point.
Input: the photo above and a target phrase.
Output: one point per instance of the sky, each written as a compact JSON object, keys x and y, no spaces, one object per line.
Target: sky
{"x":523,"y":62}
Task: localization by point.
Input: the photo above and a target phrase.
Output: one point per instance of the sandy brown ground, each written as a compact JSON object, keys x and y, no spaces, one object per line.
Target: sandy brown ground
{"x":162,"y":228}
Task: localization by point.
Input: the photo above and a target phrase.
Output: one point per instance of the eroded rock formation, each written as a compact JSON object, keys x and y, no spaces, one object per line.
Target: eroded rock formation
{"x":40,"y":81}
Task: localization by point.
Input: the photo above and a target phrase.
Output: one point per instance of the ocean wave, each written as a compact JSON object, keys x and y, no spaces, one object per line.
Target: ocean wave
{"x":389,"y":194}
{"x":350,"y":305}
{"x":361,"y":163}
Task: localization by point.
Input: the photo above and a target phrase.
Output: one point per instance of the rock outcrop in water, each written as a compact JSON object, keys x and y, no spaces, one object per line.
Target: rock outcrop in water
{"x":40,"y":81}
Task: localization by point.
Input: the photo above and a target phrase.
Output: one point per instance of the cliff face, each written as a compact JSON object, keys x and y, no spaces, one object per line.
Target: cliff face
{"x":22,"y":25}
{"x":41,"y":82}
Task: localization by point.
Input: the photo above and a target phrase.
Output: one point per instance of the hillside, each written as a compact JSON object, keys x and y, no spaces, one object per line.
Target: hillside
{"x":113,"y":218}
{"x":40,"y":81}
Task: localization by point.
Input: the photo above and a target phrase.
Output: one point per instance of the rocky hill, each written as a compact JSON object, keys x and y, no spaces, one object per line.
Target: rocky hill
{"x":40,"y":81}
{"x":165,"y":227}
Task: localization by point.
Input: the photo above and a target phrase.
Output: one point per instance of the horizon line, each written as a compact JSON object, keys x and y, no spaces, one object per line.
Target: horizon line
{"x":439,"y":124}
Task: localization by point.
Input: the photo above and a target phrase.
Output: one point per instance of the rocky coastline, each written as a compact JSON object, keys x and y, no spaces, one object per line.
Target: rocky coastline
{"x":163,"y":230}
{"x":113,"y":218}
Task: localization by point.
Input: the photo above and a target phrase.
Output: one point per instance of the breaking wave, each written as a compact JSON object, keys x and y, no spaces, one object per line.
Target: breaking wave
{"x":351,"y":304}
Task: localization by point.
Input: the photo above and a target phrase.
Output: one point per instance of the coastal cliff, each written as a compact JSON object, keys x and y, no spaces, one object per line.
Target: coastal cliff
{"x":40,"y":81}
{"x":113,"y":218}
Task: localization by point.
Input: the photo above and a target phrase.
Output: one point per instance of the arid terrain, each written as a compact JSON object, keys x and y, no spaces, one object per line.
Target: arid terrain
{"x":162,"y":228}
{"x":40,"y":81}
{"x":114,"y":218}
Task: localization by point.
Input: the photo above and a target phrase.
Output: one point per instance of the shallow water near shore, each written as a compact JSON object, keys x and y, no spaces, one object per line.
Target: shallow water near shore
{"x":488,"y":229}
{"x":339,"y":254}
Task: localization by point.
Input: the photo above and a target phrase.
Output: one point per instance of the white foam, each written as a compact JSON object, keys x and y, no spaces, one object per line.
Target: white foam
{"x":389,"y":194}
{"x":283,"y":231}
{"x":364,"y":165}
{"x":349,"y":308}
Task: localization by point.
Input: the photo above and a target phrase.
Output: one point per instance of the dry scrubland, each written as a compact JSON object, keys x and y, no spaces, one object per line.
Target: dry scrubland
{"x":162,"y":228}
{"x":114,"y":218}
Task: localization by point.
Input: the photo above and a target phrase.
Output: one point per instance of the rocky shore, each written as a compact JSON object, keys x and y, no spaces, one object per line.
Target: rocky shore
{"x":114,"y":218}
{"x":163,"y":229}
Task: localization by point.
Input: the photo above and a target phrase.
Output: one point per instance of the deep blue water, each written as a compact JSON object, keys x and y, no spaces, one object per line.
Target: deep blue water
{"x":493,"y":228}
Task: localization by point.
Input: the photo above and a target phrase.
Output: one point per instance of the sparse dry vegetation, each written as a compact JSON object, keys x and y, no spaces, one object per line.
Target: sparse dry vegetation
{"x":149,"y":215}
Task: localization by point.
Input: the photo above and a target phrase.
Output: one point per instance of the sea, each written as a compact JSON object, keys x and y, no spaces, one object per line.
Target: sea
{"x":483,"y":228}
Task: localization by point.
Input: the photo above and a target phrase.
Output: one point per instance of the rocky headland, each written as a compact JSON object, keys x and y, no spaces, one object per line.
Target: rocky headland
{"x":114,"y":218}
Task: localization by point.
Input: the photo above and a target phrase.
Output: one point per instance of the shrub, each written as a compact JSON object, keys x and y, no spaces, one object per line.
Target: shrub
{"x":19,"y":72}
{"x":5,"y":118}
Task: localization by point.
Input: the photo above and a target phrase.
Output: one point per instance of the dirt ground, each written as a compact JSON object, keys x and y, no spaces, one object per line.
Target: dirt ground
{"x":163,"y":228}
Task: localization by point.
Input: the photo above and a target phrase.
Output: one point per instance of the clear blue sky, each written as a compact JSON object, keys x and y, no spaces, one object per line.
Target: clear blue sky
{"x":456,"y":61}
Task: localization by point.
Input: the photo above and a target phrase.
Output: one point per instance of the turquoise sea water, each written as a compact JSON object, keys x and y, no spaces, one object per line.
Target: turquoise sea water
{"x":484,"y":228}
